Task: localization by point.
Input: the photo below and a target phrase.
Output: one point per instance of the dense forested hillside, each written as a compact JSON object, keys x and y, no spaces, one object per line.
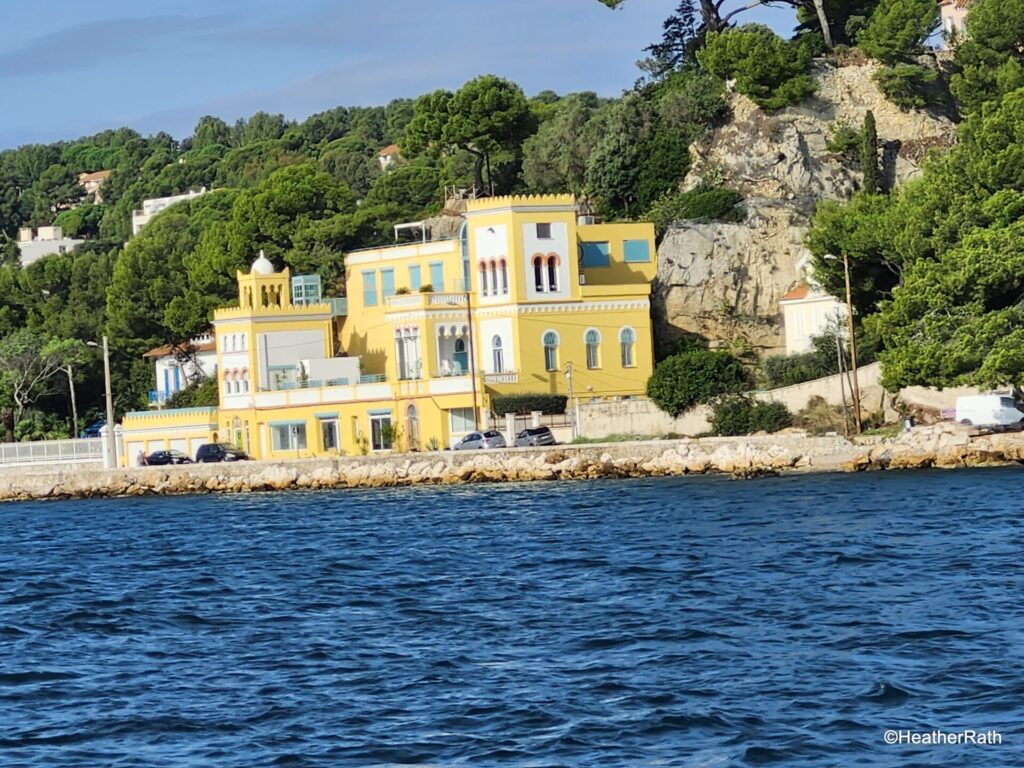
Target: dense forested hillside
{"x":306,"y":192}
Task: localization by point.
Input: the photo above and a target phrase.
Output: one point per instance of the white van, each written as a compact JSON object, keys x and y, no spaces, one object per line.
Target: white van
{"x":988,"y":411}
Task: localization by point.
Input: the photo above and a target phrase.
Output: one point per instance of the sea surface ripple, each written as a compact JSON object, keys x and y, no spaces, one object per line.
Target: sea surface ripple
{"x":667,"y":622}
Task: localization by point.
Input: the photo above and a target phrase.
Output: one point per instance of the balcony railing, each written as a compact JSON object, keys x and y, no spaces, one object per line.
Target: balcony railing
{"x":429,"y":299}
{"x":505,"y":377}
{"x":372,"y":378}
{"x":280,"y":386}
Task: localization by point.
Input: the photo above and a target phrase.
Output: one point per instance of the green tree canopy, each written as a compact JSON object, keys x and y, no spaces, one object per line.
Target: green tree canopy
{"x":771,"y":71}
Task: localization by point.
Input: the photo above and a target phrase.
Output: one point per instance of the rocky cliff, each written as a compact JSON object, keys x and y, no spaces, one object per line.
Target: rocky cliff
{"x":724,"y":281}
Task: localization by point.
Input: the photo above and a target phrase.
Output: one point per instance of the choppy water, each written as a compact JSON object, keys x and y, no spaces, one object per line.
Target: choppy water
{"x":690,"y":622}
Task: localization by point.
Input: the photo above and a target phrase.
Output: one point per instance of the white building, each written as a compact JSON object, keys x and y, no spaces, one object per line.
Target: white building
{"x":808,"y":311}
{"x":44,"y":241}
{"x":92,"y":183}
{"x":389,"y":157}
{"x":953,"y":16}
{"x":176,"y":370}
{"x":151,"y":208}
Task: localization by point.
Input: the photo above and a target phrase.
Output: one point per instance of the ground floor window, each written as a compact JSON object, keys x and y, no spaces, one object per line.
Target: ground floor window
{"x":288,"y":437}
{"x":461,"y":420}
{"x":329,"y":434}
{"x":381,"y":432}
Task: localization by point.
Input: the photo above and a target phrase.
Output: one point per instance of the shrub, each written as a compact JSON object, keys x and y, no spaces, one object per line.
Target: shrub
{"x":786,"y":370}
{"x":526,"y":402}
{"x":773,"y":72}
{"x":906,"y":85}
{"x":741,"y":415}
{"x":704,"y":203}
{"x":843,"y":139}
{"x":196,"y":395}
{"x":695,"y":376}
{"x":692,"y":100}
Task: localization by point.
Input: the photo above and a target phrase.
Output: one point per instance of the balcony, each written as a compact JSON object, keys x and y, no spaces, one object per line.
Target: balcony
{"x":505,"y":377}
{"x":429,"y":300}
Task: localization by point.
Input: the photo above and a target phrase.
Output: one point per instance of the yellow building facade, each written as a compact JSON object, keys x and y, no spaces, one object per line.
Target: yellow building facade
{"x":528,"y":296}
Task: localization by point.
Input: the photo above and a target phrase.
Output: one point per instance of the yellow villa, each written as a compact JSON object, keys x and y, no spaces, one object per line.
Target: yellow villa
{"x":528,"y":296}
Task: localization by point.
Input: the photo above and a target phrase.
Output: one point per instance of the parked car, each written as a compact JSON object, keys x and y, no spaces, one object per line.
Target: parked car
{"x":492,"y":438}
{"x":535,"y":436}
{"x":160,"y":458}
{"x":93,"y":430}
{"x":988,"y":411}
{"x":219,"y":452}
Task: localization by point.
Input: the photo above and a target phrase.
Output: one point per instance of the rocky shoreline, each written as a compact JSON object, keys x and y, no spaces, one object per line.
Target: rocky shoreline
{"x":756,"y":456}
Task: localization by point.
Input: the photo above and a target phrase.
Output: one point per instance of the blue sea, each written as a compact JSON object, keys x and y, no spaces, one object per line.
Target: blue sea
{"x":665,"y":622}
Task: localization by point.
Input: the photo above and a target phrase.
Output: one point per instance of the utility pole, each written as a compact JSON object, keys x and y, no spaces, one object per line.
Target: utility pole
{"x":111,"y":441}
{"x":853,"y":345}
{"x":842,"y":387}
{"x":572,"y":408}
{"x":854,"y":385}
{"x":472,"y":357}
{"x":74,"y":405}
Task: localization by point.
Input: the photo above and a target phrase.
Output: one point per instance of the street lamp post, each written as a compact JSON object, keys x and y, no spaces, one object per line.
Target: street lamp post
{"x":111,"y":442}
{"x":853,"y":340}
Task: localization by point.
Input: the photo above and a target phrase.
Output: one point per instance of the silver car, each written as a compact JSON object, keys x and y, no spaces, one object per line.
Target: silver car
{"x":535,"y":436}
{"x":492,"y":438}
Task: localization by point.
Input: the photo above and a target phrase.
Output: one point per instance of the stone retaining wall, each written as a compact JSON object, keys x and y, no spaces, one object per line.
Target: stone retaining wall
{"x":741,"y":457}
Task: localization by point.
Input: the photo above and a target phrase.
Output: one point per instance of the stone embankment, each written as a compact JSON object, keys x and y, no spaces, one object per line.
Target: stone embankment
{"x":753,"y":456}
{"x":945,"y":445}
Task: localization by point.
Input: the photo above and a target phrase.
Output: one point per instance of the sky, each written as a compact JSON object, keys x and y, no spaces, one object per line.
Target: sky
{"x":69,"y":69}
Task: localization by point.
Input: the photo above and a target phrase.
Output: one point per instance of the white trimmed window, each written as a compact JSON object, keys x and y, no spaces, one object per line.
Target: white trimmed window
{"x":593,"y":341}
{"x":627,"y":343}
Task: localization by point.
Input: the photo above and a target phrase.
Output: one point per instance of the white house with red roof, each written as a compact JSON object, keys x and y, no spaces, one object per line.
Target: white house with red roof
{"x":389,"y":157}
{"x":177,"y":367}
{"x":808,"y":311}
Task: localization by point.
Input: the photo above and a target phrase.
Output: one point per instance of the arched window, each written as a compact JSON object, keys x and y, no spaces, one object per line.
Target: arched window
{"x":227,"y":383}
{"x":552,"y":273}
{"x":538,"y":274}
{"x":593,"y":340}
{"x":245,"y":380}
{"x":627,"y":338}
{"x":504,"y":278}
{"x":498,"y":355}
{"x":550,"y":340}
{"x":494,"y":278}
{"x":483,"y":279}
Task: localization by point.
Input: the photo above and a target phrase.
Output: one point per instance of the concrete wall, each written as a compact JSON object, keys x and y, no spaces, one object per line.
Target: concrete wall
{"x":638,"y":417}
{"x":643,"y":417}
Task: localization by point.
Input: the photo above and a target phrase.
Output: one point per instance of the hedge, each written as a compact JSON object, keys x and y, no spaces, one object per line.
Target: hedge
{"x":527,"y":402}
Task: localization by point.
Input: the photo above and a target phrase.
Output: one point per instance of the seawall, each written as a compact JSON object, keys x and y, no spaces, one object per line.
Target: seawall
{"x":741,"y":457}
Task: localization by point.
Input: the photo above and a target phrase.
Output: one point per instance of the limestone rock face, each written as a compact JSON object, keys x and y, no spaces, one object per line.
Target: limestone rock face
{"x":724,"y":281}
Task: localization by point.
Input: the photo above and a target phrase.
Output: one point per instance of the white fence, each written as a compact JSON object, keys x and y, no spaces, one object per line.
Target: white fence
{"x":81,"y":452}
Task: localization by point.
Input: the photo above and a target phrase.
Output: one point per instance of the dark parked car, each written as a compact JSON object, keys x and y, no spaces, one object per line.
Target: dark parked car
{"x":492,"y":438}
{"x":160,"y":458}
{"x":93,"y":430}
{"x":535,"y":436}
{"x":220,"y":452}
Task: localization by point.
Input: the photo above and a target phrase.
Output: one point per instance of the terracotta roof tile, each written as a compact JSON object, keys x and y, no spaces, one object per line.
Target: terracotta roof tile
{"x":800,"y":292}
{"x":206,"y":346}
